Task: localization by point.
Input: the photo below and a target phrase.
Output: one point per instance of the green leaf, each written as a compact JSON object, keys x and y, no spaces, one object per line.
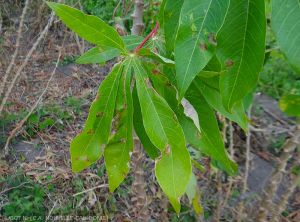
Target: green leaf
{"x":150,"y":149}
{"x":213,"y":98}
{"x":89,"y":27}
{"x":173,"y":167}
{"x":155,"y":56}
{"x":169,"y":16}
{"x":211,"y":141}
{"x":193,"y":195}
{"x":286,"y":26}
{"x":192,"y":188}
{"x":208,"y":74}
{"x":290,"y":104}
{"x":195,"y":43}
{"x":191,"y":131}
{"x":87,"y":147}
{"x":46,"y":123}
{"x":100,"y":55}
{"x":116,"y":153}
{"x":241,"y":49}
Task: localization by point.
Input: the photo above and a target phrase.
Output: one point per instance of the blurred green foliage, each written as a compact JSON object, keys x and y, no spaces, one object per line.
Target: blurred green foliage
{"x":112,"y":11}
{"x":103,"y":8}
{"x":278,"y":78}
{"x":25,"y":200}
{"x":46,"y":117}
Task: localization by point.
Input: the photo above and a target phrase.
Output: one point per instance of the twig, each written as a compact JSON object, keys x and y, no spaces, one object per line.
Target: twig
{"x":266,"y":202}
{"x":139,"y":198}
{"x":231,"y":152}
{"x":247,"y":167}
{"x":19,"y":71}
{"x":115,"y":9}
{"x":219,"y":189}
{"x":50,"y":212}
{"x":128,"y":8}
{"x":219,"y":173}
{"x":22,"y":122}
{"x":91,"y":189}
{"x":274,"y":116}
{"x":285,"y":197}
{"x":1,"y":21}
{"x":12,"y":61}
{"x":11,"y":188}
{"x":81,"y":47}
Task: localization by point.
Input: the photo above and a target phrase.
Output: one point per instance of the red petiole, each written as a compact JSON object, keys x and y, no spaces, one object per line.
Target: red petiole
{"x":150,"y":35}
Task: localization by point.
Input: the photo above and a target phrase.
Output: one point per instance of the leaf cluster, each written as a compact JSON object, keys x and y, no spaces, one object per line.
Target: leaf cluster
{"x":207,"y":53}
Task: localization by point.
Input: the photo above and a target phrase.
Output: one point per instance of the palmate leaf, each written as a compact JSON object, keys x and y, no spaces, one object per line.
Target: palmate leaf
{"x":173,"y":167}
{"x":116,"y":153}
{"x":241,"y":49}
{"x":286,"y":26}
{"x":88,"y":146}
{"x":101,"y":54}
{"x":195,"y":45}
{"x":191,"y":131}
{"x":88,"y":27}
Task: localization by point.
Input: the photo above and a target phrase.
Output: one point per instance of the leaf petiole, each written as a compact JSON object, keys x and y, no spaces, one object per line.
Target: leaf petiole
{"x":150,"y":35}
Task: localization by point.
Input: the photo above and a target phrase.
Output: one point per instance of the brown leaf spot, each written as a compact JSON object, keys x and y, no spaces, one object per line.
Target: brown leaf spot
{"x":90,"y":132}
{"x":168,"y":149}
{"x":99,"y":114}
{"x":212,"y":39}
{"x":123,"y":140}
{"x":155,"y":72}
{"x":229,"y":63}
{"x":203,"y":46}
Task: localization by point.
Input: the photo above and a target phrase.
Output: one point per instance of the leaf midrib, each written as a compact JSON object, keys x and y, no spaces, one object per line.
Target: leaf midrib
{"x":108,"y":101}
{"x":198,"y":36}
{"x":126,"y":130}
{"x":241,"y":61}
{"x":171,"y":153}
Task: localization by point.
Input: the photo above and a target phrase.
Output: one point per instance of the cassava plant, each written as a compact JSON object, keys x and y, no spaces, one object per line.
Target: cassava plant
{"x":208,"y":52}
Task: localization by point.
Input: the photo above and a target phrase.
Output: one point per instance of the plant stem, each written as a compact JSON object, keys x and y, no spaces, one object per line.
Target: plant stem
{"x":150,"y":35}
{"x":266,"y":202}
{"x":241,"y":206}
{"x":138,"y":187}
{"x":137,"y":18}
{"x":281,"y":206}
